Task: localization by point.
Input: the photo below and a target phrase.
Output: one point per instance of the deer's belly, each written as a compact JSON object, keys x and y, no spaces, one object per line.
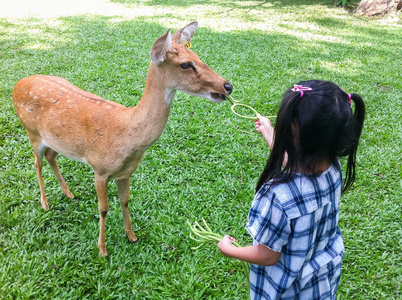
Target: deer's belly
{"x":62,"y":150}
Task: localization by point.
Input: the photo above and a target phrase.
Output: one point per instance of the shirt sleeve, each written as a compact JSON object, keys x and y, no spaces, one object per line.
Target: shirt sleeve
{"x":268,"y":224}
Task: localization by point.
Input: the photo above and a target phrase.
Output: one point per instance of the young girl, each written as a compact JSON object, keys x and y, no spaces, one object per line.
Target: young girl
{"x":297,"y":245}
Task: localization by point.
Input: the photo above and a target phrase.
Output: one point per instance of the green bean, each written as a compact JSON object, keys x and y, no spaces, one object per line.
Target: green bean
{"x":206,"y":225}
{"x":237,"y":103}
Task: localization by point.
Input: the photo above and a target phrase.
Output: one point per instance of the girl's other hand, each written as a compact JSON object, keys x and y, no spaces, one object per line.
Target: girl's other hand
{"x":225,"y":245}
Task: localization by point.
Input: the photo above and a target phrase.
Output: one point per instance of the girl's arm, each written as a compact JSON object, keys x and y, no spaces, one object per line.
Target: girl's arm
{"x":255,"y":254}
{"x":263,"y":126}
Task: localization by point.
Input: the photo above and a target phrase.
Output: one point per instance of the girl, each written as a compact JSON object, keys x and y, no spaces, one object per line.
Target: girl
{"x":297,"y":245}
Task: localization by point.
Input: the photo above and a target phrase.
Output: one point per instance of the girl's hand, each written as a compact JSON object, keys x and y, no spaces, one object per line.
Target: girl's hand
{"x":225,"y":245}
{"x":263,"y":126}
{"x":255,"y":254}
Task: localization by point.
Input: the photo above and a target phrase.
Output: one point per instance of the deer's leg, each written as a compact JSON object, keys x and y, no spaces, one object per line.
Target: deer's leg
{"x":39,"y":150}
{"x":38,"y":156}
{"x":51,"y":158}
{"x":103,"y":206}
{"x":123,"y":186}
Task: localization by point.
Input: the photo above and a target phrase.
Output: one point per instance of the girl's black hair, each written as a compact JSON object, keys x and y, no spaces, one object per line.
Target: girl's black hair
{"x":319,"y":126}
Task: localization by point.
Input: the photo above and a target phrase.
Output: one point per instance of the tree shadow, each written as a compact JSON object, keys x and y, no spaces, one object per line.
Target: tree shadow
{"x":113,"y":56}
{"x":240,"y":4}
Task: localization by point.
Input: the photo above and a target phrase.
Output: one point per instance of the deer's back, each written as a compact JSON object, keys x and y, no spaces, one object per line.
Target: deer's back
{"x":46,"y":101}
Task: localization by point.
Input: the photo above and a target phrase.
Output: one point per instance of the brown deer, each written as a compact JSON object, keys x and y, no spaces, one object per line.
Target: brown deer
{"x":61,"y":118}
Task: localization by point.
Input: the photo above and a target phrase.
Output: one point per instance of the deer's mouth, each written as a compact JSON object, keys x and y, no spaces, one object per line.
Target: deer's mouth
{"x":218,"y":96}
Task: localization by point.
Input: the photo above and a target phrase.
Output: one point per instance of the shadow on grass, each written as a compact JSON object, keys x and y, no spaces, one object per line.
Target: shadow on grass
{"x":106,"y":54}
{"x":230,"y":4}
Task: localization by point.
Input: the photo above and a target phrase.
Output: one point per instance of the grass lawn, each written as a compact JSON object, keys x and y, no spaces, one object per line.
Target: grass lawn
{"x":207,"y":161}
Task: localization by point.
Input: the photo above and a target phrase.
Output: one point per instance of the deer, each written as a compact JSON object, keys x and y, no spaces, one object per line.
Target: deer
{"x":61,"y":118}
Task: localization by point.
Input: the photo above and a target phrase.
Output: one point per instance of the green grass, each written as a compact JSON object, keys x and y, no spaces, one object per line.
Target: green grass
{"x":207,"y":161}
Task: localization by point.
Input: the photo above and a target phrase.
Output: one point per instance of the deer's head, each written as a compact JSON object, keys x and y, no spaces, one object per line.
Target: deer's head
{"x":187,"y":72}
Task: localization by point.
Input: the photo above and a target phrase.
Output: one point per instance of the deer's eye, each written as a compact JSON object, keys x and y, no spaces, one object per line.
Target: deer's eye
{"x":185,"y":65}
{"x":188,"y":66}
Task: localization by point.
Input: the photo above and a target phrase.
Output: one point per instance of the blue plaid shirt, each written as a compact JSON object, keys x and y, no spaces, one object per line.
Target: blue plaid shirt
{"x":300,"y":220}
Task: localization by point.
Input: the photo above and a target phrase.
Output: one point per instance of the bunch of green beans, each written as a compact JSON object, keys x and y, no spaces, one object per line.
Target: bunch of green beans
{"x":205,"y":235}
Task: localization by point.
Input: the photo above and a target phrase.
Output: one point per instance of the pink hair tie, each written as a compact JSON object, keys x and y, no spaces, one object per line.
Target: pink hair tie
{"x":349,"y":96}
{"x":301,"y":89}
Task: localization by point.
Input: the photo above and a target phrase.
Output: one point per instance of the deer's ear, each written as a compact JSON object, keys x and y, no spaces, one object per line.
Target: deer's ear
{"x":186,"y":33}
{"x":160,"y":48}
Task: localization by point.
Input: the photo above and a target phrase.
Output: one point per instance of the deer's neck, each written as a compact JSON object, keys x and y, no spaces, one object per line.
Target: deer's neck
{"x":152,"y":112}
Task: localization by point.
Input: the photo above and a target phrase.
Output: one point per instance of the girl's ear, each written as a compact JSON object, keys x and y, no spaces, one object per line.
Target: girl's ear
{"x":160,"y":48}
{"x":295,"y":130}
{"x":296,"y":135}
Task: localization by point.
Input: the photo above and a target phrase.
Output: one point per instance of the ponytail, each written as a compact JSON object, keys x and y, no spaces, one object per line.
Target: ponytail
{"x":358,"y":119}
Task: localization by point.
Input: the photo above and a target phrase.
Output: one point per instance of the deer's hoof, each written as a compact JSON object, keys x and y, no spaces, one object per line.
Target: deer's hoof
{"x":131,"y":236}
{"x":69,"y":195}
{"x":133,"y":240}
{"x":45,"y":204}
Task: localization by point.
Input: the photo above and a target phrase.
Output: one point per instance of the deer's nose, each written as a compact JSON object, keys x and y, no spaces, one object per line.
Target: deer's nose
{"x":228,"y":87}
